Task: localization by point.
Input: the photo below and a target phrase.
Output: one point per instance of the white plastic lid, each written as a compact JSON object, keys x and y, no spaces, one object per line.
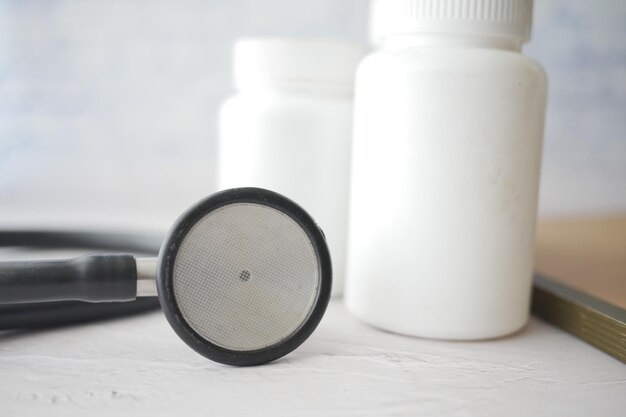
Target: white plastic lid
{"x":505,"y":18}
{"x":289,"y":63}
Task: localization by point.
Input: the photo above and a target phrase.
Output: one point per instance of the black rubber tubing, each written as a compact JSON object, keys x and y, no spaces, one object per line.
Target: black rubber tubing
{"x":92,"y":278}
{"x":58,"y":313}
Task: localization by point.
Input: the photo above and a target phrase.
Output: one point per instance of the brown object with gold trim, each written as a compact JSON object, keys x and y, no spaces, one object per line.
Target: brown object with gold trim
{"x":586,"y":292}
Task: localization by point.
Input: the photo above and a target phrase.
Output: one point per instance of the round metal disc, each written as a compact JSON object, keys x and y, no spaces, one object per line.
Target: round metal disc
{"x":244,"y":276}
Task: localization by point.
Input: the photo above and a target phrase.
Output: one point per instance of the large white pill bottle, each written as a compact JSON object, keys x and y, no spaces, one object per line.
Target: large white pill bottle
{"x":449,"y":118}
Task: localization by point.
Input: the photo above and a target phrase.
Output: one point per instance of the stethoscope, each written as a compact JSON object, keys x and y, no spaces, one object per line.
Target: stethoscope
{"x":243,"y":277}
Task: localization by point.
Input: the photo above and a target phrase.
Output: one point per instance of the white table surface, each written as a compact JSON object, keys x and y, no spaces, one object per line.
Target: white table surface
{"x":137,"y":366}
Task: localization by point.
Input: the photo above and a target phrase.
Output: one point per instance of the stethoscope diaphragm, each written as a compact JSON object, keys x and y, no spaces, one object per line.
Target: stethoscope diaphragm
{"x":244,"y":276}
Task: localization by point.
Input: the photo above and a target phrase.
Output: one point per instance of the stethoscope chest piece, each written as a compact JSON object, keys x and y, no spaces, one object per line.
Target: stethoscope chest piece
{"x":244,"y":276}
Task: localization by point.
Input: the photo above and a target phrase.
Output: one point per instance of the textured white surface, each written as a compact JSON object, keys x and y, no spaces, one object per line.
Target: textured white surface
{"x":138,"y":366}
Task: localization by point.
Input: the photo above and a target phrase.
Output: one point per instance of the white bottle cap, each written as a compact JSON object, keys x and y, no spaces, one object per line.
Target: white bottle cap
{"x":287,"y":63}
{"x":504,"y":18}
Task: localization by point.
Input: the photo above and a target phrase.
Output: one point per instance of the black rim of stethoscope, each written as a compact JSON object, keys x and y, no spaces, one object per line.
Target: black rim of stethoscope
{"x":58,"y":313}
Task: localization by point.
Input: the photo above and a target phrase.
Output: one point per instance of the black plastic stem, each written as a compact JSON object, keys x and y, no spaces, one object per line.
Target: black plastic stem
{"x":91,"y":278}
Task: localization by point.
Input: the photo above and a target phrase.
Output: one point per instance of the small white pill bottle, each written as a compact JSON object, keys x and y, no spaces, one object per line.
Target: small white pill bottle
{"x":289,"y":129}
{"x":449,"y":118}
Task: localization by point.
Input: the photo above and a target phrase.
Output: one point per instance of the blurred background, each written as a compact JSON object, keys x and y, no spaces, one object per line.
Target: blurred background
{"x":108,"y":108}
